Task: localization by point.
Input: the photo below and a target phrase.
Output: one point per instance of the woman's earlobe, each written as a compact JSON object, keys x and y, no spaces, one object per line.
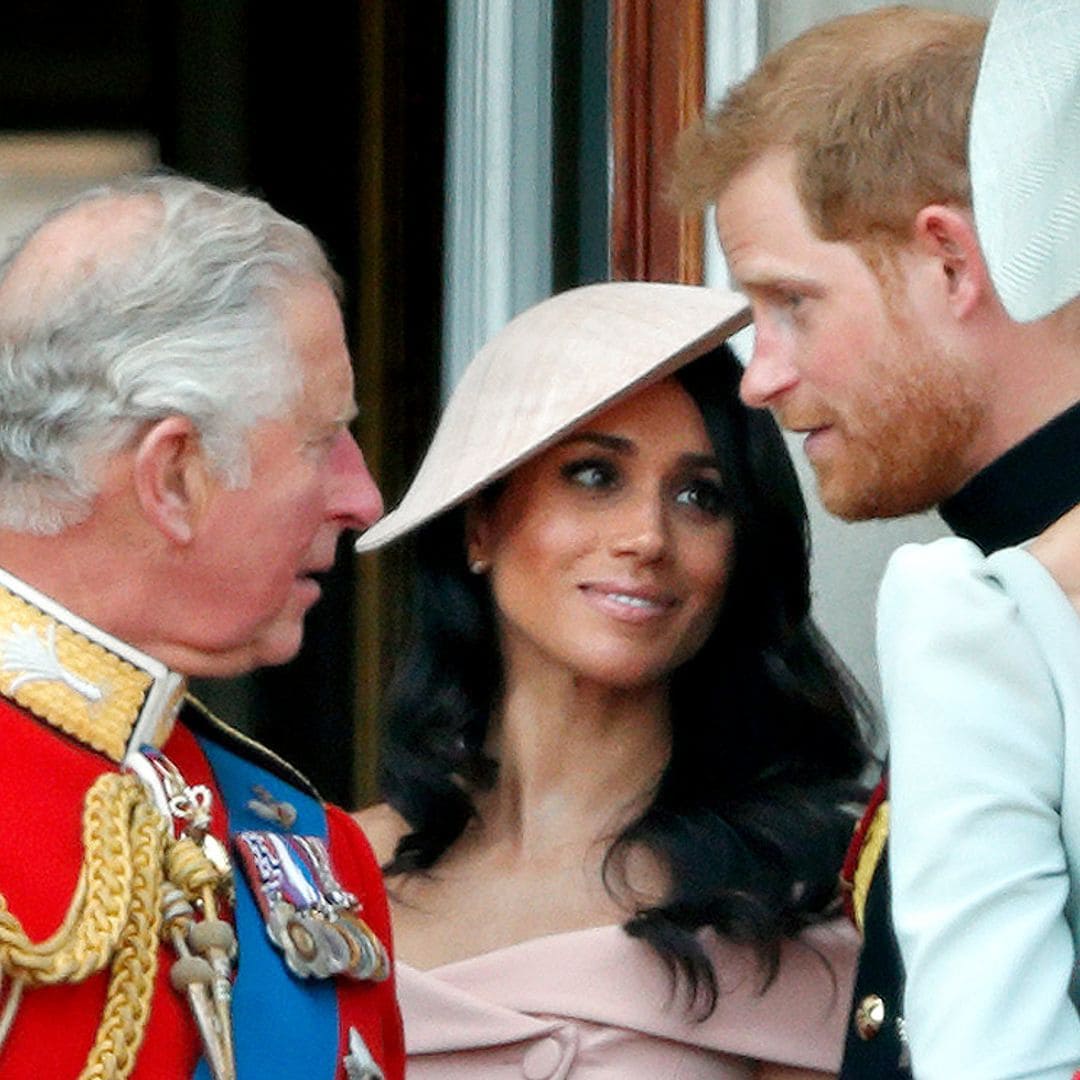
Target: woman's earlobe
{"x":476,"y":557}
{"x":170,"y":477}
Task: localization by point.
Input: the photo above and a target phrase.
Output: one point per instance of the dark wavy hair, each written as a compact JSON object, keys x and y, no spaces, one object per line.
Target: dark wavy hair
{"x":753,"y":812}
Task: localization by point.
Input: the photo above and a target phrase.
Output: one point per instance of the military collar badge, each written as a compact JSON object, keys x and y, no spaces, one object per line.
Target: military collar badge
{"x":80,"y":680}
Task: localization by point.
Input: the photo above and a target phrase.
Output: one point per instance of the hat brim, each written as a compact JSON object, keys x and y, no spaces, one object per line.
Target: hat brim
{"x":551,"y":367}
{"x":1025,"y":155}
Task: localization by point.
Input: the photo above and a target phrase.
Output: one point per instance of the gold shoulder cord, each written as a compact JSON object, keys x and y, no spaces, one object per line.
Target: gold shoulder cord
{"x":873,"y":845}
{"x":115,"y":915}
{"x":137,"y":885}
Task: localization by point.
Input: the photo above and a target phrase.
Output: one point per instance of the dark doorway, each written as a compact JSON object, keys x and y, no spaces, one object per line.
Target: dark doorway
{"x":335,"y":115}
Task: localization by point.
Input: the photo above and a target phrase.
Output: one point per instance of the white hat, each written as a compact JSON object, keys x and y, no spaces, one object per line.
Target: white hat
{"x":565,"y":359}
{"x":1025,"y":154}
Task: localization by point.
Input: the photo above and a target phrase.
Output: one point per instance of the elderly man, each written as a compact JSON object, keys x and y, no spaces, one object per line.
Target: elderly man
{"x":843,"y":204}
{"x":175,"y":468}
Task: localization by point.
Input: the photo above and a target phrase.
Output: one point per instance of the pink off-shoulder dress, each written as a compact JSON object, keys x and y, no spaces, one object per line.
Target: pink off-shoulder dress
{"x":597,"y":1005}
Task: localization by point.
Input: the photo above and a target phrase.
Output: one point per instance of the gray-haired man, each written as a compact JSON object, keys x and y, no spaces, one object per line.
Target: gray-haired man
{"x":175,"y":467}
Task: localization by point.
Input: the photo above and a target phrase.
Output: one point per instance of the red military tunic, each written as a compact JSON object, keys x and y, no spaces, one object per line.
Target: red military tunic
{"x":44,"y":776}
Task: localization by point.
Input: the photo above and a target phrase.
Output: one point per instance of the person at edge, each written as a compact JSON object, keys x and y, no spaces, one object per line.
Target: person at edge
{"x":844,"y":208}
{"x":175,"y":469}
{"x":621,"y":762}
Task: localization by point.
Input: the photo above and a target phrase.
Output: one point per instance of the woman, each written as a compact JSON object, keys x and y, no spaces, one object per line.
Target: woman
{"x":619,"y":760}
{"x":995,"y":710}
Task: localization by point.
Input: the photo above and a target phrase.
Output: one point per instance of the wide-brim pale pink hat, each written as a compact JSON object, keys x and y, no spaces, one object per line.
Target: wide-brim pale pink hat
{"x":1025,"y":154}
{"x":546,"y":371}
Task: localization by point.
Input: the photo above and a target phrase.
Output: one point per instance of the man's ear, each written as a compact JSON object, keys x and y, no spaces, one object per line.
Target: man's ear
{"x":171,"y":477}
{"x":947,"y":236}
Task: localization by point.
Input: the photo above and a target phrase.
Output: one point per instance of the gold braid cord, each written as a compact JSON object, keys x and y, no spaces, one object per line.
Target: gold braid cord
{"x":114,"y":916}
{"x":134,"y":967}
{"x":877,"y":833}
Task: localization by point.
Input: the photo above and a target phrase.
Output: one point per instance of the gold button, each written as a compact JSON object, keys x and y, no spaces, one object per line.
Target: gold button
{"x":869,"y":1016}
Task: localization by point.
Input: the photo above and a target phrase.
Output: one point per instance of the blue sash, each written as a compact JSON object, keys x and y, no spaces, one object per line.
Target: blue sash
{"x":282,"y":1026}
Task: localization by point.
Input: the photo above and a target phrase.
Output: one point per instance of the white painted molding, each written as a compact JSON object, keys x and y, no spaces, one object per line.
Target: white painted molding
{"x":498,"y":184}
{"x":733,"y":34}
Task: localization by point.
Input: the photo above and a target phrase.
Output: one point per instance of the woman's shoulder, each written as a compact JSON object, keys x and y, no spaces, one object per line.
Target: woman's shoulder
{"x":1057,"y":550}
{"x":821,"y":956}
{"x":939,"y":560}
{"x":949,"y":591}
{"x":932,"y":590}
{"x":952,"y":566}
{"x":384,"y":827}
{"x":811,"y":992}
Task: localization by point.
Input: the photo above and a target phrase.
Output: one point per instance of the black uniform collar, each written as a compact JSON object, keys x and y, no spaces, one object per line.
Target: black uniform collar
{"x":1018,"y":495}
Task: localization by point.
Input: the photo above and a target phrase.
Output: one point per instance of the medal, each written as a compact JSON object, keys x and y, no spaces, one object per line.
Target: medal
{"x":358,"y":1062}
{"x":315,"y":923}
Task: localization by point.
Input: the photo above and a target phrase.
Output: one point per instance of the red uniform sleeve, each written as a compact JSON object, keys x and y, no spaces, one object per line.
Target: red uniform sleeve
{"x":370,"y":1008}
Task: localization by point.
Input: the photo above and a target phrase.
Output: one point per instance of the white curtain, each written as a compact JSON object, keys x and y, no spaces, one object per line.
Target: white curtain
{"x":498,"y":182}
